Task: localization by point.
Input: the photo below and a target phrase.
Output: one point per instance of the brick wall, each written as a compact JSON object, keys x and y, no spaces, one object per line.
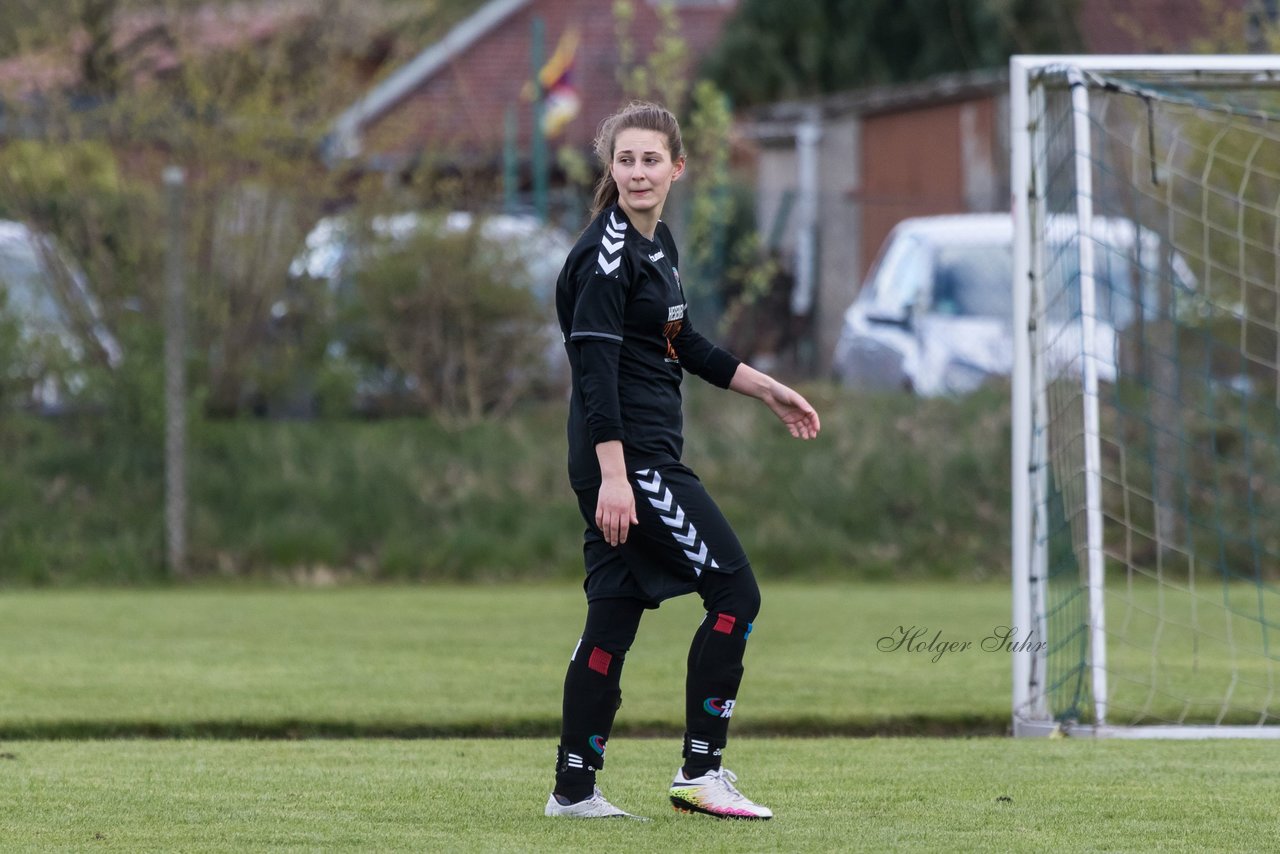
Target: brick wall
{"x":1154,"y":26}
{"x":462,"y":108}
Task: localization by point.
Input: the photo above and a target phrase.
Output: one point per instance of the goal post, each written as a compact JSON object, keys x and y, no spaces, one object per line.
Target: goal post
{"x":1146,"y":395}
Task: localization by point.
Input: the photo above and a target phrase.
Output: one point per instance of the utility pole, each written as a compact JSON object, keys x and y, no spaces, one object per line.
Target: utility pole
{"x":175,"y":381}
{"x":510,"y":161}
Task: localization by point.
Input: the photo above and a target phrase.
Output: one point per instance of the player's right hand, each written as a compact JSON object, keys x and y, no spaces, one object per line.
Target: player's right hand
{"x":615,"y":509}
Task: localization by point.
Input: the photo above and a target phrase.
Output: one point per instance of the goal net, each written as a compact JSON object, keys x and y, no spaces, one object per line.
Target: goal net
{"x":1146,"y":395}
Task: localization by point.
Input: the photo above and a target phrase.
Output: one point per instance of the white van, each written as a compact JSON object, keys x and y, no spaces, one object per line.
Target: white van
{"x":935,"y":313}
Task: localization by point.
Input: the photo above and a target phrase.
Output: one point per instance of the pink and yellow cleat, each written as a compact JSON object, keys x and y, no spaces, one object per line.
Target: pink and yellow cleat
{"x":714,"y":794}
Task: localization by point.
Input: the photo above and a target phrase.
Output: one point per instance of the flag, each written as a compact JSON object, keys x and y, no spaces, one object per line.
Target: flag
{"x":562,"y":102}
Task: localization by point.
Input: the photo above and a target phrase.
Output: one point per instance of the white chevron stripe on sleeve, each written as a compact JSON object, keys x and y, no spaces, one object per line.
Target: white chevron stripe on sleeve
{"x":607,"y":265}
{"x":617,"y":226}
{"x":611,"y":248}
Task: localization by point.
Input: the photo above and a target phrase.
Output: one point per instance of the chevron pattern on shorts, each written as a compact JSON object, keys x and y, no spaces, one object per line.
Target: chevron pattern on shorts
{"x":672,"y":514}
{"x":610,"y":255}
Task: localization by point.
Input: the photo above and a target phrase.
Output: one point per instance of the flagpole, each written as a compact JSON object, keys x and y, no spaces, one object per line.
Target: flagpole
{"x":540,"y":177}
{"x":510,"y":160}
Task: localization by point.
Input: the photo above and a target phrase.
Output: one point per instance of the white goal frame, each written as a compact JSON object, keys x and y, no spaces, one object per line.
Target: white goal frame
{"x":1029,"y":553}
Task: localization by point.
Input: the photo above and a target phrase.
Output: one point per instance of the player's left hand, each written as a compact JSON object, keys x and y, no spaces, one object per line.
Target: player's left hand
{"x":792,"y":410}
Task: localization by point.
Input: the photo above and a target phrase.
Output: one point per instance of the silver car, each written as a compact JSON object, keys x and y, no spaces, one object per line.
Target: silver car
{"x":934,"y":316}
{"x":59,"y":325}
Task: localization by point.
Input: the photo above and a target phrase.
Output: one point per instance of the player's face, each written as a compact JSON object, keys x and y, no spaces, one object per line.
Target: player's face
{"x":644,"y":171}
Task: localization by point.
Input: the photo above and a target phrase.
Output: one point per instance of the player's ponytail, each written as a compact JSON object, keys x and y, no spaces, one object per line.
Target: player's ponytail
{"x":606,"y":193}
{"x":638,"y":115}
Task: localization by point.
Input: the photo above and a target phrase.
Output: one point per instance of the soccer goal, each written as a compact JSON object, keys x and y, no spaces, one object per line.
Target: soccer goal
{"x":1146,"y":395}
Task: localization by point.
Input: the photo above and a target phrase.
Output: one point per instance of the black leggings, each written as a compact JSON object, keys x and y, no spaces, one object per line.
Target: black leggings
{"x":612,"y":623}
{"x":592,"y":692}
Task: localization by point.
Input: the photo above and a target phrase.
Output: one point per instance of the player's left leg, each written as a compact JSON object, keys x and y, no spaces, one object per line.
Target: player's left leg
{"x":732,"y":602}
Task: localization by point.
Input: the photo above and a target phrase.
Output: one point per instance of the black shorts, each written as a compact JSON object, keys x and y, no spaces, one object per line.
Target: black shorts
{"x":681,"y":535}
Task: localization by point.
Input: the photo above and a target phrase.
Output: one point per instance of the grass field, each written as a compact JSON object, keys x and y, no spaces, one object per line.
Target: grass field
{"x":936,"y":795}
{"x":252,"y":672}
{"x":471,"y":660}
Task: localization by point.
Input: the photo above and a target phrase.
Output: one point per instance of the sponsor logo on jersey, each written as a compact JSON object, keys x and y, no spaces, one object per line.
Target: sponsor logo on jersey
{"x":657,"y":255}
{"x":670,"y":331}
{"x":675,"y":320}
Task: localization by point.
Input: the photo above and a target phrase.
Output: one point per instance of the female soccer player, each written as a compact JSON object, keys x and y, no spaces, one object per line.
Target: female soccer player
{"x":652,"y":532}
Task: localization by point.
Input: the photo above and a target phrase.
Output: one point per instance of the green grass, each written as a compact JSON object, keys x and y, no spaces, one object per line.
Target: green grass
{"x":275,"y":664}
{"x":481,"y":659}
{"x":458,"y":660}
{"x":464,"y":795}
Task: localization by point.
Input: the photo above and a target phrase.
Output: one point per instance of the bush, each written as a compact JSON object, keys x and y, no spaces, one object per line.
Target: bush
{"x":896,"y":487}
{"x":448,"y":320}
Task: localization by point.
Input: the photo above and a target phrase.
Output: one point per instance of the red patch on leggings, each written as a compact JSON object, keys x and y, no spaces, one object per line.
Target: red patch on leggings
{"x":724,"y":623}
{"x":600,"y":661}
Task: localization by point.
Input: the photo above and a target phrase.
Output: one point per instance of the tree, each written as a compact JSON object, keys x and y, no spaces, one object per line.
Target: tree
{"x":774,"y":50}
{"x":245,"y":123}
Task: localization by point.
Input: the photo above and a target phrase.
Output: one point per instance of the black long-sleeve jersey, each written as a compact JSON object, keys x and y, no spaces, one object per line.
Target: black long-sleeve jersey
{"x":626,"y":329}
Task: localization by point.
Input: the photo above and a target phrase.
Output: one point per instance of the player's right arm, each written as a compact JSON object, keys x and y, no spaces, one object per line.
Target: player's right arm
{"x":616,"y":504}
{"x":597,"y":333}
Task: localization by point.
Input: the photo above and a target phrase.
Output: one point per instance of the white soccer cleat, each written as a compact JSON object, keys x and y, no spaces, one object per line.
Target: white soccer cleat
{"x":714,"y":794}
{"x":593,"y":807}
